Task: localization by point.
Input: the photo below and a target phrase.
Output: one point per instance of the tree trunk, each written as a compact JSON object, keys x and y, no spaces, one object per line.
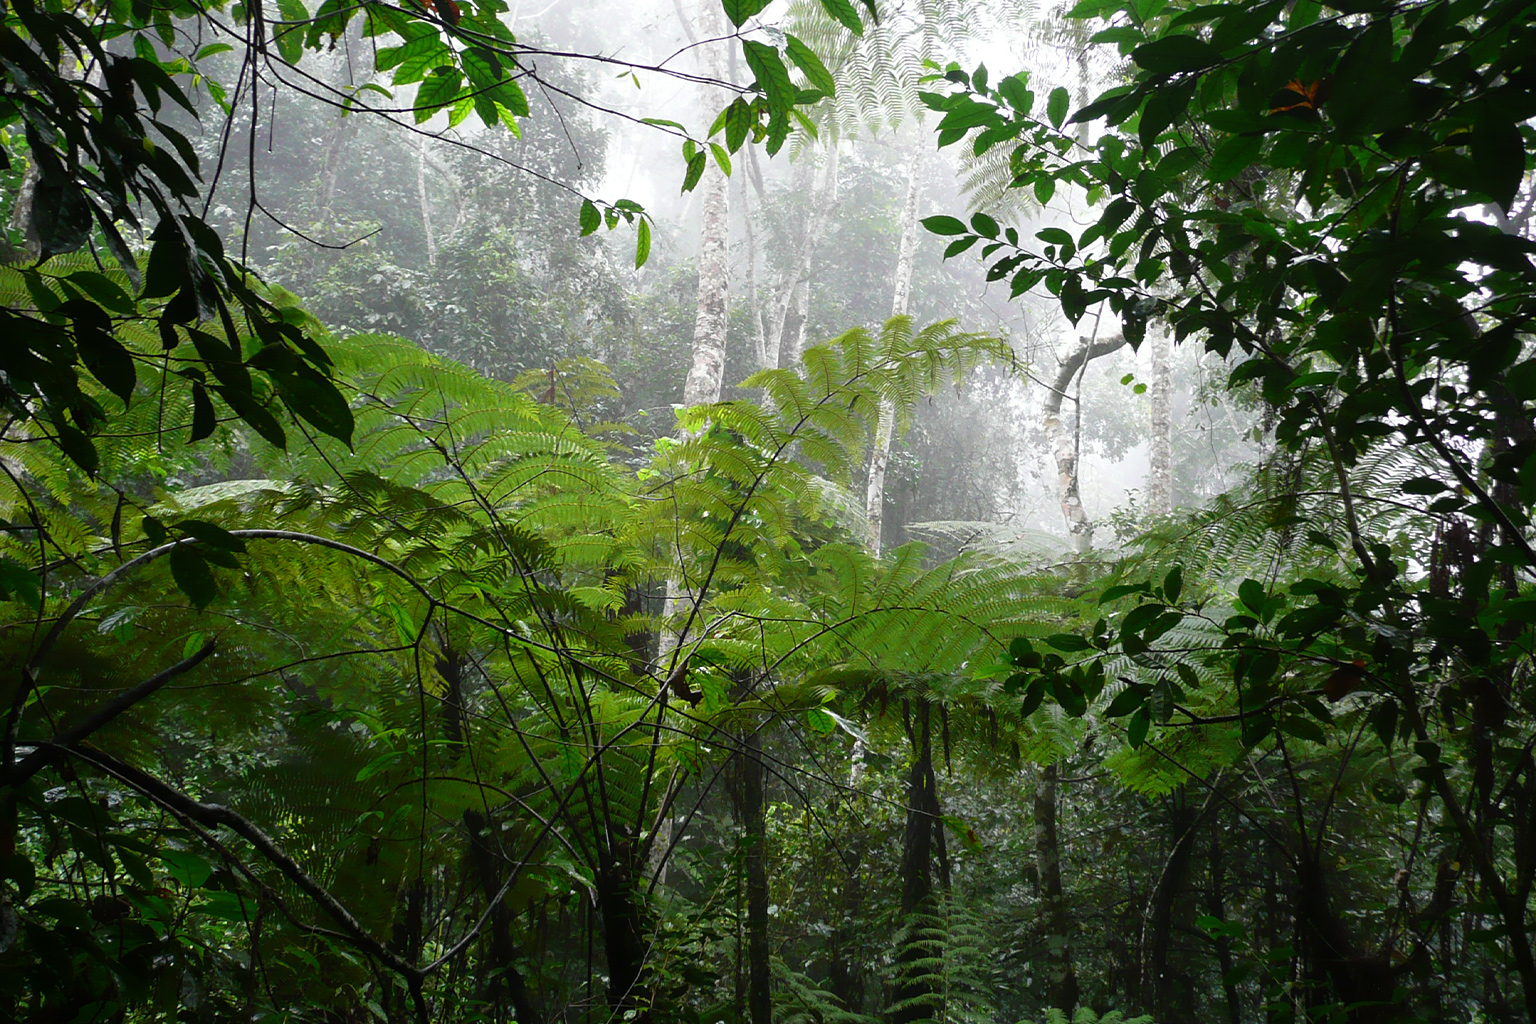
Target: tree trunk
{"x":421,"y":199}
{"x":759,"y":334}
{"x":617,"y":882}
{"x":751,"y":816}
{"x":914,"y":990}
{"x":1064,"y":443}
{"x":708,"y":369}
{"x":1163,"y":1003}
{"x":1217,"y":907}
{"x":508,"y":985}
{"x":1062,"y":990}
{"x":789,"y":315}
{"x":1160,"y":472}
{"x":879,"y":456}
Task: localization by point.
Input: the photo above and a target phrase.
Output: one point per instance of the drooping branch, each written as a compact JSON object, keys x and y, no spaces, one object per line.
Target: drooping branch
{"x":40,"y":757}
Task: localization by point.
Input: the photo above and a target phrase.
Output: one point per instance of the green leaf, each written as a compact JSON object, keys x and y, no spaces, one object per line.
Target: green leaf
{"x":1136,"y":729}
{"x":806,"y":60}
{"x":643,"y":242}
{"x":210,"y":534}
{"x":1173,"y":584}
{"x":722,"y":158}
{"x":289,"y":33}
{"x":103,"y":289}
{"x":1054,"y":236}
{"x":108,"y":361}
{"x":842,"y":11}
{"x":192,"y":575}
{"x":959,"y":246}
{"x":740,"y":10}
{"x":441,"y":89}
{"x":1498,"y":153}
{"x":695,"y":170}
{"x":772,"y":76}
{"x":984,"y":225}
{"x":202,"y":414}
{"x":1069,"y":696}
{"x":1067,"y":642}
{"x":1122,"y":590}
{"x":1127,"y":700}
{"x":1034,"y":696}
{"x":1056,"y":106}
{"x":79,"y":448}
{"x":315,"y":398}
{"x":1252,"y":594}
{"x":1234,"y":156}
{"x":591,"y":220}
{"x":1173,"y":54}
{"x":19,"y":582}
{"x":1015,"y":89}
{"x":945,"y":225}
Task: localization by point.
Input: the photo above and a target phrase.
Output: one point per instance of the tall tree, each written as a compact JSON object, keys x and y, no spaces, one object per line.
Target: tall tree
{"x":906,"y":250}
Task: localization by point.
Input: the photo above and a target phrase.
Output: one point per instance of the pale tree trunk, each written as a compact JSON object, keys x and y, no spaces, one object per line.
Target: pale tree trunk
{"x":759,"y":335}
{"x":421,"y":199}
{"x":789,"y":311}
{"x":879,"y":456}
{"x":707,"y":371}
{"x":1160,"y":472}
{"x":1064,"y":442}
{"x":702,"y":386}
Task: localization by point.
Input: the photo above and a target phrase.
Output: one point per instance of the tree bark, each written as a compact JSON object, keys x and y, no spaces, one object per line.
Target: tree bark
{"x":789,"y":313}
{"x":759,"y":334}
{"x":1062,"y":988}
{"x":708,"y":369}
{"x":1164,"y":1004}
{"x":508,"y":985}
{"x":879,"y":456}
{"x":914,"y":992}
{"x":751,"y":812}
{"x":421,"y":199}
{"x":1064,"y":443}
{"x":1217,"y":907}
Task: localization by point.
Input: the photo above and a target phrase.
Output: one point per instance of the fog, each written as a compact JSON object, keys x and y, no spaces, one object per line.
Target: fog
{"x":467,"y":240}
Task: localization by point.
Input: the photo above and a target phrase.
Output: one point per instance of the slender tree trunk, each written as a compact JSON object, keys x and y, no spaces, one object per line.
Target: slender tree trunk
{"x":759,"y":334}
{"x":914,"y":991}
{"x":421,"y":199}
{"x":1158,"y":929}
{"x":1062,"y":989}
{"x":751,"y":810}
{"x":1064,"y":442}
{"x":617,"y":882}
{"x":1160,"y":472}
{"x":1217,"y":907}
{"x":789,"y":311}
{"x":708,"y":368}
{"x":508,"y":985}
{"x":879,"y":456}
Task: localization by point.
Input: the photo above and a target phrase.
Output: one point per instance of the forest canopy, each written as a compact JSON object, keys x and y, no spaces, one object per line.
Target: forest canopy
{"x":435,"y":586}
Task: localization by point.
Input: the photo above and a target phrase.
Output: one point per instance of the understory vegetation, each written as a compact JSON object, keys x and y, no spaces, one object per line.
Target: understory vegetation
{"x":434,"y":589}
